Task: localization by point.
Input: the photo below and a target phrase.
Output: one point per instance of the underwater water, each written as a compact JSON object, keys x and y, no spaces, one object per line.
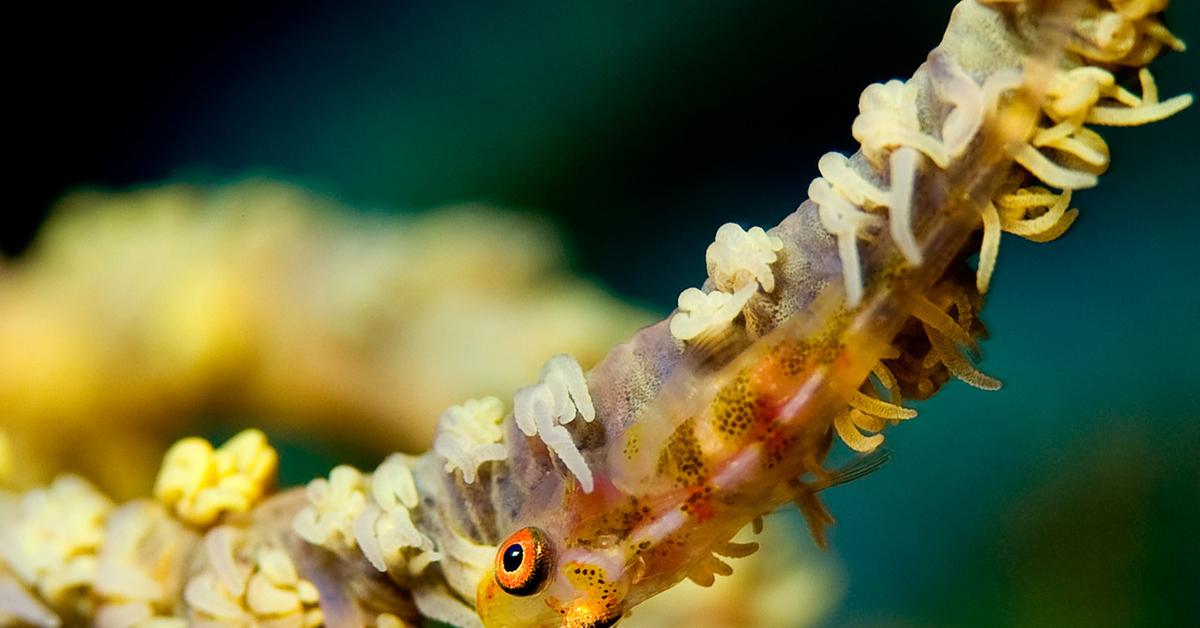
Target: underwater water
{"x":1070,"y":497}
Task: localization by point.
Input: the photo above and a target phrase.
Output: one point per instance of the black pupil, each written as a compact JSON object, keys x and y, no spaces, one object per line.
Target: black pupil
{"x":513,"y":557}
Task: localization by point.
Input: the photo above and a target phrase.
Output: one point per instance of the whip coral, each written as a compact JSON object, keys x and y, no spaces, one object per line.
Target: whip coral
{"x":615,"y":484}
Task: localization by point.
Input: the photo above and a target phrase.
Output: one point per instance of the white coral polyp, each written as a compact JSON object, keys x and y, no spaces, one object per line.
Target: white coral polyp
{"x":383,"y":536}
{"x":841,"y":177}
{"x":845,"y":222}
{"x":892,"y":140}
{"x":700,"y":313}
{"x":542,"y":409}
{"x":328,"y":520}
{"x":129,"y":588}
{"x":565,"y":378}
{"x":968,"y":103}
{"x":737,"y":257}
{"x":393,"y":484}
{"x":888,"y":118}
{"x":469,"y":435}
{"x":384,"y":529}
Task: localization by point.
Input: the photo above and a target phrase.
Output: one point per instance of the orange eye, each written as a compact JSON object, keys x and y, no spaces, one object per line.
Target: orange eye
{"x":523,"y":562}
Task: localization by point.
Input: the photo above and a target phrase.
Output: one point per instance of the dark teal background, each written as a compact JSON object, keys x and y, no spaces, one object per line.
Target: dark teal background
{"x":1070,"y":497}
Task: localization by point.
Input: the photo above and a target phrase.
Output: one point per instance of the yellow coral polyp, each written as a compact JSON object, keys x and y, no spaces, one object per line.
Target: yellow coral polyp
{"x":1085,"y":94}
{"x":259,"y":592}
{"x":1129,"y":34}
{"x":868,"y":413}
{"x":276,"y":588}
{"x":199,"y":484}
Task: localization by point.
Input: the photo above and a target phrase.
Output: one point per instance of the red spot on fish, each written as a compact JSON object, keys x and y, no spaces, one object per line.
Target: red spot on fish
{"x":699,"y":505}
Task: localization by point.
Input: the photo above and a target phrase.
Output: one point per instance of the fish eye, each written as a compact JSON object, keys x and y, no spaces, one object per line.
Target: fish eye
{"x":523,"y":562}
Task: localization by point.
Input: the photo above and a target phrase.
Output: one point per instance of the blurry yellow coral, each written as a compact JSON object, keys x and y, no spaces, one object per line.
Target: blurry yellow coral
{"x":51,"y":537}
{"x":200,"y":483}
{"x":139,"y":309}
{"x":139,"y":576}
{"x":6,"y":461}
{"x":249,"y":584}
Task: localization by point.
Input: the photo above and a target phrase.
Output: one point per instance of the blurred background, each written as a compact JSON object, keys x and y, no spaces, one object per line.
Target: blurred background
{"x":450,"y":192}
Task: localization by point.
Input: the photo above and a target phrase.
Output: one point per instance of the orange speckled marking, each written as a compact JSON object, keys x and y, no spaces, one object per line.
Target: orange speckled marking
{"x":747,"y":408}
{"x":734,"y":409}
{"x":600,"y":599}
{"x":683,"y":459}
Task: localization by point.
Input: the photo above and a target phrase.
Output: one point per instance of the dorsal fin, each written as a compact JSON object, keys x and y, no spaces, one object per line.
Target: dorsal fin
{"x":816,"y":515}
{"x":860,"y":467}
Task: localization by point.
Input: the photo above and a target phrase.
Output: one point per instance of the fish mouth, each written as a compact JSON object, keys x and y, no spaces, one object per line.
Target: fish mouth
{"x":591,"y":619}
{"x":606,"y":622}
{"x":589,"y":612}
